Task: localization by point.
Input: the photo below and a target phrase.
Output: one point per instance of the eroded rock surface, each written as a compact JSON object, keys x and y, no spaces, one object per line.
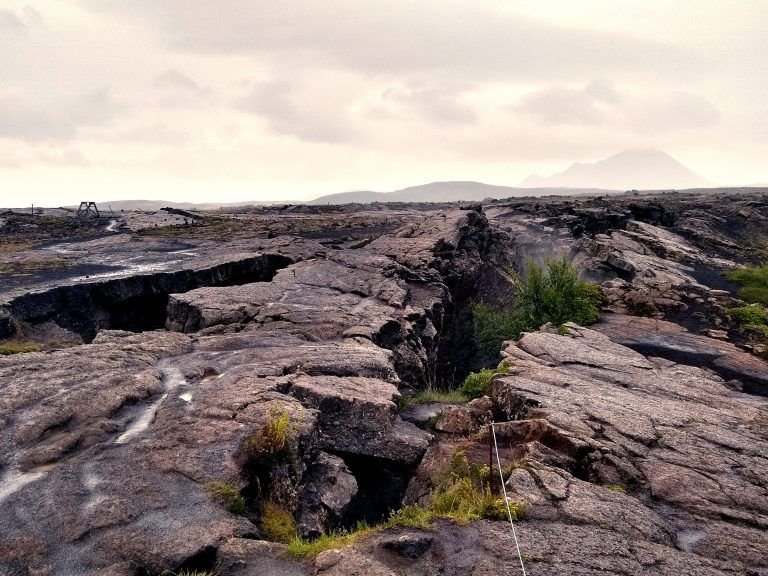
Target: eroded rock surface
{"x":108,"y":447}
{"x":656,"y":463}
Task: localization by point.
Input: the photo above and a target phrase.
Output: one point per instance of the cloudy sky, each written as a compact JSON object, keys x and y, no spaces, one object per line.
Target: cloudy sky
{"x":233,"y":100}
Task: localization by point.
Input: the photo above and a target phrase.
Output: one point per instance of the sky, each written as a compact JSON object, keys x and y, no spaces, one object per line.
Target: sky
{"x":235,"y":100}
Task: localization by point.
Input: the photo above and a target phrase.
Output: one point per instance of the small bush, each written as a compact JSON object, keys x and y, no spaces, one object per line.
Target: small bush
{"x":749,"y":315}
{"x":478,"y":384}
{"x":554,"y":295}
{"x":494,"y":327}
{"x":277,"y":524}
{"x":227,"y":495}
{"x":19,"y":348}
{"x":753,"y":282}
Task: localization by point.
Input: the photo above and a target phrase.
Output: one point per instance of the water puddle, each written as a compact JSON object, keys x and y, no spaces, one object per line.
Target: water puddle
{"x":172,"y":379}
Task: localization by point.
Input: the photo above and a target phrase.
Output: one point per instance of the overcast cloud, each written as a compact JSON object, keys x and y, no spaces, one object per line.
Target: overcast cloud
{"x":236,"y":100}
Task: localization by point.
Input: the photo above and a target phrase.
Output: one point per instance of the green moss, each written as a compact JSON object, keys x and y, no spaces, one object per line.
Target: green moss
{"x":9,"y":348}
{"x":616,"y":488}
{"x":227,"y":495}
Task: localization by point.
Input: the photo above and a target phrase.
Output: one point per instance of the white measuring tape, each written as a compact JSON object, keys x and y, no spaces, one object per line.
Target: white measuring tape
{"x":506,"y":500}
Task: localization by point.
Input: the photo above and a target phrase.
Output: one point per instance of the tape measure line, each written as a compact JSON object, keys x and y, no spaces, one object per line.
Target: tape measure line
{"x":506,"y":500}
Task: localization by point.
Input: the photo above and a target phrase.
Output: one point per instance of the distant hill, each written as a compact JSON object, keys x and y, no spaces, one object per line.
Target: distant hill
{"x":155,"y":205}
{"x":448,"y":192}
{"x":638,"y":169}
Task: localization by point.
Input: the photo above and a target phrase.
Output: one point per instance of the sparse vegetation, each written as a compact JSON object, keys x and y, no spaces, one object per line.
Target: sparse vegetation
{"x":432,"y":395}
{"x":753,"y":282}
{"x":277,"y":523}
{"x":305,"y":548}
{"x":269,"y":445}
{"x":478,"y":384}
{"x":227,"y":495}
{"x":616,"y":488}
{"x":28,"y":267}
{"x":555,"y":295}
{"x":753,"y":321}
{"x":462,"y":496}
{"x":9,"y":348}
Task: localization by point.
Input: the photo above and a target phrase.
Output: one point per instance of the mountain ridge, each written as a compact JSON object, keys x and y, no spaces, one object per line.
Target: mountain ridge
{"x":628,"y":170}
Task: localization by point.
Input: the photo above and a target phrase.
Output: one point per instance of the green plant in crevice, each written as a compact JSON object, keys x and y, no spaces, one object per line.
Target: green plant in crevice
{"x":461,"y":496}
{"x":553,"y":294}
{"x":266,"y":451}
{"x":227,"y":495}
{"x":269,"y":445}
{"x":277,"y":523}
{"x":478,"y":384}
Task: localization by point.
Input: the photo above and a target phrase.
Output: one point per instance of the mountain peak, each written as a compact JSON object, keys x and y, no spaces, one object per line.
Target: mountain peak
{"x":643,"y":169}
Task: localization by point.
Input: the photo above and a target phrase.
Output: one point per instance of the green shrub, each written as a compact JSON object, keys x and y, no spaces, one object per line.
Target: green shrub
{"x":753,"y":282}
{"x":277,"y":524}
{"x":478,"y":384}
{"x":227,"y":495}
{"x":492,"y":328}
{"x":19,"y":348}
{"x":749,"y":315}
{"x":554,"y":295}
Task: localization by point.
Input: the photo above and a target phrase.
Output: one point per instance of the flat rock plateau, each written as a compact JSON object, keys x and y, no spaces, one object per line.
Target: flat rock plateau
{"x":158,"y":345}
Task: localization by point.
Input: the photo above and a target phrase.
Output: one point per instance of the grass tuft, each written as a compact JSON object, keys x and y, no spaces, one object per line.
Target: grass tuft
{"x":277,"y":523}
{"x":305,"y":548}
{"x":431,"y":395}
{"x":227,"y":495}
{"x":616,"y":488}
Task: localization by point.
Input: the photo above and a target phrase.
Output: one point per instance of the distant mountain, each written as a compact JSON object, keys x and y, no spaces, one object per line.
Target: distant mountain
{"x":447,"y":192}
{"x":638,"y":169}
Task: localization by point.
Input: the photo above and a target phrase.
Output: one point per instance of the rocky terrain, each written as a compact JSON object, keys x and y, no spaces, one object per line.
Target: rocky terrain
{"x":638,"y":445}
